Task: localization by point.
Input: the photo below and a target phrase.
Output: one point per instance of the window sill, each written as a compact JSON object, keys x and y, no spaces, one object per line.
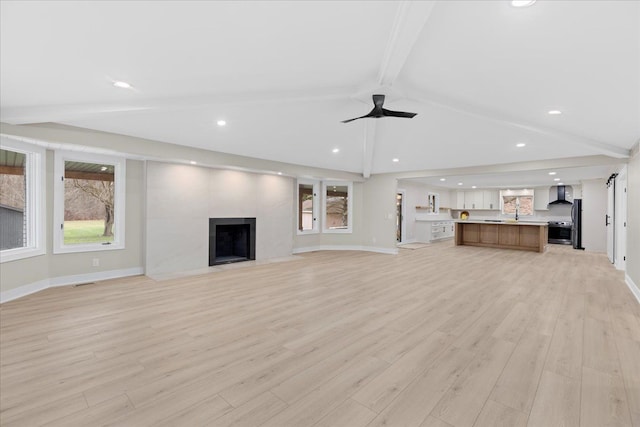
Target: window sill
{"x":303,"y":233}
{"x":87,"y":248}
{"x":338,"y":231}
{"x":9,"y":255}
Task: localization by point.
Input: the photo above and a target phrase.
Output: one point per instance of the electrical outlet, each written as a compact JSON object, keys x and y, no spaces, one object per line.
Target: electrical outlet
{"x":96,"y":262}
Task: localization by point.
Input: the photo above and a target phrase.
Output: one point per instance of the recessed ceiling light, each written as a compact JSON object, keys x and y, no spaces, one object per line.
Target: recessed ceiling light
{"x":561,"y":183}
{"x":335,"y":150}
{"x":395,"y":160}
{"x":443,"y":179}
{"x":221,"y":123}
{"x":473,"y":186}
{"x":279,"y":173}
{"x":556,"y":179}
{"x":554,"y":112}
{"x":522,"y":3}
{"x":123,"y":85}
{"x":552,"y":173}
{"x":192,"y":162}
{"x":459,"y":183}
{"x":520,"y":144}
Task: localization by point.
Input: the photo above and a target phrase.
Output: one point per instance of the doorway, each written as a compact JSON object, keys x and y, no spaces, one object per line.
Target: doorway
{"x":610,"y":218}
{"x":399,"y":216}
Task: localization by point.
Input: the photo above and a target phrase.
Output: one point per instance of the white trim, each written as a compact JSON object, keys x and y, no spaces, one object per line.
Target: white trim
{"x":35,"y":198}
{"x":24,"y":290}
{"x":41,"y":285}
{"x":315,"y":201}
{"x":349,"y":185}
{"x":389,"y":251}
{"x":635,"y":289}
{"x":119,"y":164}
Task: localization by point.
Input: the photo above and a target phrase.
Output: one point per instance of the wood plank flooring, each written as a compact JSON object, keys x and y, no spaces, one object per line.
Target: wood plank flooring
{"x":437,"y":336}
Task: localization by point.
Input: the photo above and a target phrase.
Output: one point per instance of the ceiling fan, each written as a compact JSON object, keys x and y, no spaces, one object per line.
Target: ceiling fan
{"x":378,"y":111}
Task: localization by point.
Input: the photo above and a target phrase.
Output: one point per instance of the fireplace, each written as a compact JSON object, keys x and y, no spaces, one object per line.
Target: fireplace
{"x":231,"y":240}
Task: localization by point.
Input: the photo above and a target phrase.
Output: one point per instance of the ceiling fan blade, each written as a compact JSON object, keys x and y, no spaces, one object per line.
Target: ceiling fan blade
{"x":390,"y":113}
{"x":361,"y":117}
{"x":378,"y":100}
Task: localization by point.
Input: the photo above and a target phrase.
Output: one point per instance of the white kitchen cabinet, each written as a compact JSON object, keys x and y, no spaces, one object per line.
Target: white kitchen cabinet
{"x":460,"y":200}
{"x":427,"y":231}
{"x":541,"y":198}
{"x":491,"y":199}
{"x":440,"y":230}
{"x":473,"y":199}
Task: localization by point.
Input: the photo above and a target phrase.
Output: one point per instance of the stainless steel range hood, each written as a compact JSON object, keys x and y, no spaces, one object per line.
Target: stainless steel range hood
{"x":561,"y":196}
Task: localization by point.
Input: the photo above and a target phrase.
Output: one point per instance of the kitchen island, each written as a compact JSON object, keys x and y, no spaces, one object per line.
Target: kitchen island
{"x":521,"y":235}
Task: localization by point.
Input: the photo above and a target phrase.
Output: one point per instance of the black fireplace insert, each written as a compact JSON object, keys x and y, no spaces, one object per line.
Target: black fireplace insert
{"x":231,"y":240}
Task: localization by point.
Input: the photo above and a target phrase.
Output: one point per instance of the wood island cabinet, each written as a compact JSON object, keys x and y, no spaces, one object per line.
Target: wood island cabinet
{"x":528,"y":237}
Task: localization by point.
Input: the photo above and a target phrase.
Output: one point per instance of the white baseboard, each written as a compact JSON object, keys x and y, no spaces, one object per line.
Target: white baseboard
{"x":390,"y":251}
{"x":24,"y":290}
{"x":31,"y":288}
{"x":635,"y":289}
{"x":406,"y":242}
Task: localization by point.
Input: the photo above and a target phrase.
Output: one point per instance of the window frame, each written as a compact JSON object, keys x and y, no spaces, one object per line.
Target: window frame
{"x":349,"y":185}
{"x":525,"y":192}
{"x":119,"y":196}
{"x":316,"y":202}
{"x":35,"y":200}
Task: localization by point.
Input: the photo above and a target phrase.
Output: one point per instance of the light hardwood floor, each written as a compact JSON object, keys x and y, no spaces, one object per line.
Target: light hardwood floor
{"x":439,"y":336}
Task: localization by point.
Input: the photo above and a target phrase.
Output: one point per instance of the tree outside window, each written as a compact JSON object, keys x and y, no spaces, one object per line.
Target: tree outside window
{"x":88,"y":203}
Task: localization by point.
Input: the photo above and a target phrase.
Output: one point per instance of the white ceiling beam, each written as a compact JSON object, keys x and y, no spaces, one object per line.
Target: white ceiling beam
{"x":368,"y":146}
{"x":61,"y":113}
{"x":504,"y":119}
{"x":409,"y":21}
{"x":507,"y":168}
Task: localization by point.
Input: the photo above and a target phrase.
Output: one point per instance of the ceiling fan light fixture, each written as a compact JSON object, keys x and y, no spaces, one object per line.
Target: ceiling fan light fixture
{"x":522,"y":3}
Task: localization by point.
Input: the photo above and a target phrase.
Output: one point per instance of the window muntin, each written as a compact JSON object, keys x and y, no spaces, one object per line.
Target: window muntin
{"x":307,"y":206}
{"x":337,"y":207}
{"x":21,"y":200}
{"x":89,"y":202}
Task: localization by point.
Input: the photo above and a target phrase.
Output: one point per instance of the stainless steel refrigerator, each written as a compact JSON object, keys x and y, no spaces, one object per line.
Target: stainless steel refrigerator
{"x":576,"y":224}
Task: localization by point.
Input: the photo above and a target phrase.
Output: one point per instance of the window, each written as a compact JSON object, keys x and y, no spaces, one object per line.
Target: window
{"x":89,"y":202}
{"x":307,"y":206}
{"x":21,"y":200}
{"x":520,"y":201}
{"x":337,"y":217}
{"x":433,"y":203}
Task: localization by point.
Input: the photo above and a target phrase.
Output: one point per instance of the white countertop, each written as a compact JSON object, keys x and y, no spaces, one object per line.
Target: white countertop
{"x":434,"y":220}
{"x":505,"y":222}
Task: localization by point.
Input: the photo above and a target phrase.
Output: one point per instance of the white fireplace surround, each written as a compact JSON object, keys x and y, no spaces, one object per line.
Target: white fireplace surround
{"x":182,"y":198}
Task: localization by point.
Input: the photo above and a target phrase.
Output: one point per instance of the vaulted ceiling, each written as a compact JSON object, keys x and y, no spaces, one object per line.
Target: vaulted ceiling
{"x":482,"y":76}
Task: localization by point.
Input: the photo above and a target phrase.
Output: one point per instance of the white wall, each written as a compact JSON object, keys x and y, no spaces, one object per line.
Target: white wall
{"x":633,"y":222}
{"x":594,"y":209}
{"x":51,"y":269}
{"x":181,"y":199}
